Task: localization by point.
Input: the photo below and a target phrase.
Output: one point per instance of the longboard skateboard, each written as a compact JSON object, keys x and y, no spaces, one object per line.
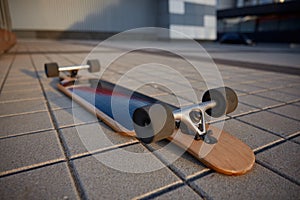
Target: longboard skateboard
{"x":152,"y":120}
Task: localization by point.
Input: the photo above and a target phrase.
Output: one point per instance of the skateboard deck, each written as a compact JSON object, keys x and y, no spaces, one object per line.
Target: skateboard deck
{"x":228,"y":155}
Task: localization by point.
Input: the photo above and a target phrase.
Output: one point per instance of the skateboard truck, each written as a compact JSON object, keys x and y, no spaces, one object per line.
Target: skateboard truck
{"x":52,"y":69}
{"x":215,"y":102}
{"x":194,"y":117}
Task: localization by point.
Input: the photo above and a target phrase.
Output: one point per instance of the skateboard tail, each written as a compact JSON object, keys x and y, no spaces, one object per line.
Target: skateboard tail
{"x":233,"y":170}
{"x":228,"y":156}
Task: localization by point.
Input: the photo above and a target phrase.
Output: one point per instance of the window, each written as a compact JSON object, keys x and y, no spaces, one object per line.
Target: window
{"x":250,"y":2}
{"x":289,"y":23}
{"x":248,"y":24}
{"x":268,"y":24}
{"x":232,"y":24}
{"x":265,"y":1}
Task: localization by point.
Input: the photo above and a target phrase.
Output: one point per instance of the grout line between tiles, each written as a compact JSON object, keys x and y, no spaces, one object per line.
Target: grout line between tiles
{"x":26,"y":133}
{"x":278,"y":172}
{"x":160,"y":191}
{"x":71,"y":167}
{"x":102,"y":150}
{"x":176,"y":172}
{"x":21,"y":100}
{"x":22,"y":113}
{"x":7,"y":72}
{"x":31,"y":167}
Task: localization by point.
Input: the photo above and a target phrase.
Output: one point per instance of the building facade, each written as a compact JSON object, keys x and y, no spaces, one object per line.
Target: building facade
{"x":101,"y":18}
{"x":261,"y":20}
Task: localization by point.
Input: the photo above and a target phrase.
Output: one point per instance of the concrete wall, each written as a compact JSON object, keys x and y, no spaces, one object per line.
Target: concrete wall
{"x":194,"y":18}
{"x":226,"y":4}
{"x":79,"y":15}
{"x":5,"y":20}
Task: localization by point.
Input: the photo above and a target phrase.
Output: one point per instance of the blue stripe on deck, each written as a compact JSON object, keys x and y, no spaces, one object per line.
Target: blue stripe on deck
{"x":122,"y":103}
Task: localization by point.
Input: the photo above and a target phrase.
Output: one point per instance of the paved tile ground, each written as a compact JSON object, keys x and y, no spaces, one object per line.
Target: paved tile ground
{"x":44,"y":135}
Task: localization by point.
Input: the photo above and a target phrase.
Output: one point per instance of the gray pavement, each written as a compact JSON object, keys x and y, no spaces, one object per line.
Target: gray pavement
{"x":44,"y":157}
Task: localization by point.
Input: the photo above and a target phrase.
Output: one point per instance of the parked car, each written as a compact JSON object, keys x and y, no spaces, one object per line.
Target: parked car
{"x":235,"y":38}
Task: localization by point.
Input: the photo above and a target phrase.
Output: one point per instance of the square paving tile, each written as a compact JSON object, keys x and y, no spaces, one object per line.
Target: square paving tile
{"x":295,"y":84}
{"x":61,"y":103}
{"x":29,"y":149}
{"x":242,"y":109}
{"x":23,"y":94}
{"x":18,"y":80}
{"x":176,"y":87}
{"x":51,"y":182}
{"x":290,"y":110}
{"x":296,"y":139}
{"x":22,"y":107}
{"x":274,"y":83}
{"x":239,"y":93}
{"x":259,"y":183}
{"x":180,"y":161}
{"x":252,"y":136}
{"x":193,"y":96}
{"x":22,"y":72}
{"x":284,"y":158}
{"x":49,"y":82}
{"x":173,"y":100}
{"x":241,"y":78}
{"x":231,"y":83}
{"x":20,"y":87}
{"x":90,"y":137}
{"x":72,"y":116}
{"x":272,"y":122}
{"x":295,"y":90}
{"x":53,"y":94}
{"x":258,"y":102}
{"x":198,"y":84}
{"x":297,"y":103}
{"x":278,"y":96}
{"x":152,"y":90}
{"x":25,"y":123}
{"x":99,"y":180}
{"x":183,"y":192}
{"x":5,"y":62}
{"x":247,"y":88}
